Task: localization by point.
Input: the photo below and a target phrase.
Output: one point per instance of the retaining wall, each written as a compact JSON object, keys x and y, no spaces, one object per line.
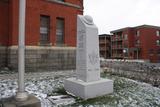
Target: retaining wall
{"x":44,"y":58}
{"x":3,"y":56}
{"x":142,"y":71}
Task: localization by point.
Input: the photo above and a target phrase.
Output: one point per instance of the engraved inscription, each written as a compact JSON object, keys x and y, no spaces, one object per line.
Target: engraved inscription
{"x":81,"y":38}
{"x":93,"y":58}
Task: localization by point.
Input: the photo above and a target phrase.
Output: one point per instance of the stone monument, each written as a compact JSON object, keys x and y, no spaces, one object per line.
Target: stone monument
{"x":88,"y":83}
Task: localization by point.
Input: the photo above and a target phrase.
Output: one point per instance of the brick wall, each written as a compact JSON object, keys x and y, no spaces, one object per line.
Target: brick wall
{"x":53,"y":10}
{"x":4,"y":21}
{"x":148,"y":42}
{"x":38,"y":57}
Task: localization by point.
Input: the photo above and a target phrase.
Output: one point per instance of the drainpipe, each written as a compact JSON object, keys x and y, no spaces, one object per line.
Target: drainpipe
{"x":21,"y":95}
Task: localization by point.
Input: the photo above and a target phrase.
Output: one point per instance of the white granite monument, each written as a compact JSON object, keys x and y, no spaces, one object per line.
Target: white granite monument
{"x":88,"y":83}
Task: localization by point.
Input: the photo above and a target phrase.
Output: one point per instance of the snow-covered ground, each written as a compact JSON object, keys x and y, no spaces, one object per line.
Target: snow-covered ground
{"x":49,"y":89}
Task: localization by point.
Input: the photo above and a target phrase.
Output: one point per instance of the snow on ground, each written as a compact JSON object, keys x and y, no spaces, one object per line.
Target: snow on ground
{"x":49,"y":89}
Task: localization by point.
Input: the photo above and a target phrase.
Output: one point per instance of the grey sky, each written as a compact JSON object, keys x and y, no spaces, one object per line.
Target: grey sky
{"x":110,"y":15}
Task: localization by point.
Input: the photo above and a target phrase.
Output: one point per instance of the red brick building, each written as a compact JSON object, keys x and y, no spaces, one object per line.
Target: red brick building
{"x":105,"y":46}
{"x":141,"y":42}
{"x":50,"y":25}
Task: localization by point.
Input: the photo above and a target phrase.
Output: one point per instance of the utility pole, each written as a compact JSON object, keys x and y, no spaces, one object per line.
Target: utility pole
{"x":21,"y":95}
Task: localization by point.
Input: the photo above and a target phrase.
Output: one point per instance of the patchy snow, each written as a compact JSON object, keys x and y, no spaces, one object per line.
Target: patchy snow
{"x":49,"y":90}
{"x":136,"y":94}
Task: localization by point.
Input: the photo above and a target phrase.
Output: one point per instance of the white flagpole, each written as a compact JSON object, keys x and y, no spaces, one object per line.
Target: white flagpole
{"x":21,"y":94}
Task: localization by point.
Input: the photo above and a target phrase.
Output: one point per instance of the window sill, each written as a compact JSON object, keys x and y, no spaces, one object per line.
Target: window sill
{"x":44,"y":44}
{"x":60,"y":45}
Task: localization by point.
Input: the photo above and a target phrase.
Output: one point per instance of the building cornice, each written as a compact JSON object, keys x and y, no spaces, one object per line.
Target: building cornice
{"x":147,"y":26}
{"x":120,"y":30}
{"x":65,"y":4}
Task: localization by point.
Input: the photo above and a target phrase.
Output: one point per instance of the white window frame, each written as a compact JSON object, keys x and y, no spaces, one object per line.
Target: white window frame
{"x":138,"y":42}
{"x":157,"y":33}
{"x":125,"y":37}
{"x":158,"y":42}
{"x":137,"y":33}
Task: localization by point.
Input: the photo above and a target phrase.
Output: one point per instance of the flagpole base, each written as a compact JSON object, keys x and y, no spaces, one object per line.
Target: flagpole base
{"x":21,"y":96}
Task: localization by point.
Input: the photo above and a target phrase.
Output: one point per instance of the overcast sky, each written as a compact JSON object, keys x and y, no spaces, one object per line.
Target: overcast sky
{"x":110,"y":15}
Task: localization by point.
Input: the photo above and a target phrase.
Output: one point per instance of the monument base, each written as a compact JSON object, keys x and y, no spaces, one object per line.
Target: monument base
{"x":30,"y":102}
{"x":88,"y":90}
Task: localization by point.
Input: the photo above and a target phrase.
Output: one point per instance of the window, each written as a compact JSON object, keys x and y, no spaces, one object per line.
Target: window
{"x":137,"y":42}
{"x":158,"y":33}
{"x":125,"y":52}
{"x":158,"y":42}
{"x":137,"y":33}
{"x":125,"y":37}
{"x":60,"y":31}
{"x":44,"y":29}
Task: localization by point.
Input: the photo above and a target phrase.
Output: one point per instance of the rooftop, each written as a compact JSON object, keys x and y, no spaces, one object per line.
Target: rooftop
{"x":107,"y":35}
{"x":141,"y":26}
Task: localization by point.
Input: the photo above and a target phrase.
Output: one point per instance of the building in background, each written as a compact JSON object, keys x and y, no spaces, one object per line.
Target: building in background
{"x":50,"y":33}
{"x":141,"y":42}
{"x":105,"y":46}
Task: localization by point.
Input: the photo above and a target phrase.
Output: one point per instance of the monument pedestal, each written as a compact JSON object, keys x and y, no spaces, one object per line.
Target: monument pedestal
{"x":88,"y":90}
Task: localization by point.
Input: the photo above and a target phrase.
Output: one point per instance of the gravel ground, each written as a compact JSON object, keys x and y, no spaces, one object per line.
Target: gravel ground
{"x":48,"y":87}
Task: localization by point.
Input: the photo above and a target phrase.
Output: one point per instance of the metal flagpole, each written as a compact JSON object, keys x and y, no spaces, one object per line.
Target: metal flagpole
{"x":21,"y":95}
